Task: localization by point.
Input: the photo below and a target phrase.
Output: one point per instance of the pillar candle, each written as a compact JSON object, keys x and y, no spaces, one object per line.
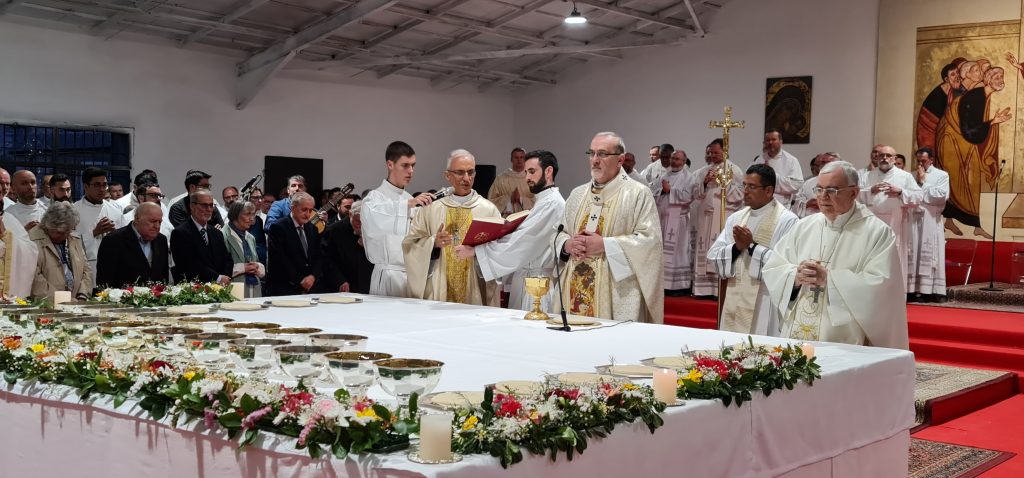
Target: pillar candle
{"x":436,"y":436}
{"x":808,"y":350}
{"x":238,"y":290}
{"x":60,"y":297}
{"x":665,"y":385}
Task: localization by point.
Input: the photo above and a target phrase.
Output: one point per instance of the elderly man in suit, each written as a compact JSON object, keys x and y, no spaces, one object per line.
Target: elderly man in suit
{"x":197,"y":247}
{"x":61,"y":264}
{"x":294,"y":250}
{"x":346,"y":268}
{"x":135,"y":254}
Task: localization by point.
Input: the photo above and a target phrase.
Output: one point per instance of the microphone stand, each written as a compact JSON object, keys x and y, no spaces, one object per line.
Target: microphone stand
{"x":558,"y":283}
{"x":995,"y":226}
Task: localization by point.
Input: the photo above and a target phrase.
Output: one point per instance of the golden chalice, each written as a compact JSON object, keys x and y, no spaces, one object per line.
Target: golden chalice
{"x":537,"y":287}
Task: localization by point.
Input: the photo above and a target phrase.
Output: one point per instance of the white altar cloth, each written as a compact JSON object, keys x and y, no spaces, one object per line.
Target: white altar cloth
{"x":853,"y":422}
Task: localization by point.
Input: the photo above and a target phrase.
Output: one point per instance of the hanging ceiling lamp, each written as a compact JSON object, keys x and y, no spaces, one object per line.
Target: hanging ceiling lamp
{"x":575,"y":18}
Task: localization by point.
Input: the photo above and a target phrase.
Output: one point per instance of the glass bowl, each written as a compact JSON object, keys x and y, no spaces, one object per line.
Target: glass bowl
{"x":210,"y":348}
{"x":303,"y":361}
{"x":254,"y":330}
{"x":255,"y":356}
{"x":123,"y":333}
{"x":295,"y":335}
{"x":82,"y":325}
{"x":402,"y":377}
{"x":208,"y":324}
{"x":346,"y":342}
{"x":354,"y":370}
{"x":170,"y":339}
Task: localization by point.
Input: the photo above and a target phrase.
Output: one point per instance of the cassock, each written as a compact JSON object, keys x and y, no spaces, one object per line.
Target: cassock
{"x":19,"y":255}
{"x":747,"y":307}
{"x":500,"y":193}
{"x":708,"y":203}
{"x":90,"y":215}
{"x":26,"y":213}
{"x":805,"y":195}
{"x":894,"y":211}
{"x":441,"y":275}
{"x":927,"y":261}
{"x":674,"y":213}
{"x":385,"y":217}
{"x":864,"y":301}
{"x":625,"y":282}
{"x":527,"y":252}
{"x":789,"y":175}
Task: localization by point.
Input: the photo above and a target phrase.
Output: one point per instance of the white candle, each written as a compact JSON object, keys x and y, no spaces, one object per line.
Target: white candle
{"x":436,"y":436}
{"x":808,"y":350}
{"x":238,"y":290}
{"x":61,"y":296}
{"x":665,"y":385}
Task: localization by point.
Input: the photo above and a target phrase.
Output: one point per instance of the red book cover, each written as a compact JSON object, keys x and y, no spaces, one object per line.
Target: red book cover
{"x":486,"y":229}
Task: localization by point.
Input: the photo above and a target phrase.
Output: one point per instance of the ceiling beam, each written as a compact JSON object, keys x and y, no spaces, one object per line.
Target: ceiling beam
{"x":693,"y":17}
{"x":238,"y":12}
{"x":101,"y":28}
{"x":638,"y":14}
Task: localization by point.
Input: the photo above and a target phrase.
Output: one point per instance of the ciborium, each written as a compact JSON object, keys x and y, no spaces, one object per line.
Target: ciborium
{"x":537,"y":287}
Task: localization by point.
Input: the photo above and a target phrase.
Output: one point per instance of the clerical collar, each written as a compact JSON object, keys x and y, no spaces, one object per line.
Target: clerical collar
{"x":546,"y":192}
{"x":89,"y":201}
{"x":461,"y":199}
{"x":762,"y":210}
{"x":391,"y":186}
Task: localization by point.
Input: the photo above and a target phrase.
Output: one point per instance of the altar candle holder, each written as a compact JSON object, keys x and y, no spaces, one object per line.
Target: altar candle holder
{"x":665,"y":385}
{"x":435,"y":440}
{"x":807,"y":349}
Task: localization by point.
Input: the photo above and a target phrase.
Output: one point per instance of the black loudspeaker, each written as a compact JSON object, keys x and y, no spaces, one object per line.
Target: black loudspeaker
{"x":485,"y":174}
{"x":277,"y":170}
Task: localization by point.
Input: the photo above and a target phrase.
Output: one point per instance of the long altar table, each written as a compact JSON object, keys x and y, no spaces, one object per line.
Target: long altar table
{"x":853,"y":422}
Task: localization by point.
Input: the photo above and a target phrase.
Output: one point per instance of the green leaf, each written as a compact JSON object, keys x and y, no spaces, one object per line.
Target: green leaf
{"x":249,"y":404}
{"x":339,"y":451}
{"x":119,"y":400}
{"x":249,"y":437}
{"x":10,"y":377}
{"x":230,"y":420}
{"x":341,"y":395}
{"x":382,"y":412}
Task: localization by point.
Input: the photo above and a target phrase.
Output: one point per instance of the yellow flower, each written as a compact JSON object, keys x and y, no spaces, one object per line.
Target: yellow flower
{"x":367,"y":412}
{"x":37,"y":348}
{"x":630,"y":387}
{"x":103,"y":294}
{"x":20,"y":301}
{"x":470,"y":423}
{"x":778,"y":349}
{"x":188,"y":375}
{"x":693,"y":376}
{"x":216,"y":287}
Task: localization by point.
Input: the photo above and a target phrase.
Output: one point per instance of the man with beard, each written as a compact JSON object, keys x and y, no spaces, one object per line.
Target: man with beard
{"x":435,"y":272}
{"x":892,"y":194}
{"x":60,"y":188}
{"x":29,"y":210}
{"x":527,"y":251}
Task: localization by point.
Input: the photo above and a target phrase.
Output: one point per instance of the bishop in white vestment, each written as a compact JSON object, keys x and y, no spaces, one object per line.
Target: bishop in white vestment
{"x":611,"y":245}
{"x":787,"y":168}
{"x":434,"y":270}
{"x":927,"y":261}
{"x":708,"y":204}
{"x":741,"y":250}
{"x":845,"y":263}
{"x":674,"y":196}
{"x":892,"y":194}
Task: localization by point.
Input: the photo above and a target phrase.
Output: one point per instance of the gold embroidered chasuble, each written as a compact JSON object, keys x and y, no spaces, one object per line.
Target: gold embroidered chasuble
{"x":447,"y":278}
{"x":623,"y":212}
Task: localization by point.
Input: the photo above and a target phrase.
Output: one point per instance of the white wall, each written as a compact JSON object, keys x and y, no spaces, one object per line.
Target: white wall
{"x":670,"y":94}
{"x":181,"y":105}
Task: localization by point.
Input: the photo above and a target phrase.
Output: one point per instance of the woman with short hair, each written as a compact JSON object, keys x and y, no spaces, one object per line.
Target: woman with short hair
{"x":242,"y":246}
{"x":61,"y":264}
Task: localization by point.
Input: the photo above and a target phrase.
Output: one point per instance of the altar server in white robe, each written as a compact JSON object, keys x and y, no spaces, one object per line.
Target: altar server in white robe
{"x":708,"y":214}
{"x":435,"y":271}
{"x":927,"y":262}
{"x":629,"y":164}
{"x":510,"y":193}
{"x":612,"y":242}
{"x":28,"y":209}
{"x":892,"y":194}
{"x":97,"y":217}
{"x":805,"y":202}
{"x":529,"y":250}
{"x":673,"y":199}
{"x":18,"y":255}
{"x":845,"y":263}
{"x":787,"y":168}
{"x":656,"y":171}
{"x":744,"y":246}
{"x":387,"y":211}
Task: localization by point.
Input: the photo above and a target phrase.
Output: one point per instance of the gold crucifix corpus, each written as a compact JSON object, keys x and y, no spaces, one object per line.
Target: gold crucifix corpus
{"x":726,"y":126}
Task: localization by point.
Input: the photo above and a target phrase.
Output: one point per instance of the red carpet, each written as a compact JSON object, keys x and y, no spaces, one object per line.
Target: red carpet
{"x":997,"y":427}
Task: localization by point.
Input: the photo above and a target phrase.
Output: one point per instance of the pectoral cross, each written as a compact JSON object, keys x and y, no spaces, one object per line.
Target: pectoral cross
{"x":817,"y":290}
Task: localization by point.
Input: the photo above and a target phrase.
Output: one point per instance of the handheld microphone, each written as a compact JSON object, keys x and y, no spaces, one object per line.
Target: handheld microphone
{"x":443,"y":192}
{"x":558,"y":282}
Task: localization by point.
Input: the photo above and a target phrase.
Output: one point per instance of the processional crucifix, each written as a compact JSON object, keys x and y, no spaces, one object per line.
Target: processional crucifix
{"x":723,"y":176}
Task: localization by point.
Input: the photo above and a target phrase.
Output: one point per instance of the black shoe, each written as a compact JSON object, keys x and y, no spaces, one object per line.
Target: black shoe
{"x":939,"y":299}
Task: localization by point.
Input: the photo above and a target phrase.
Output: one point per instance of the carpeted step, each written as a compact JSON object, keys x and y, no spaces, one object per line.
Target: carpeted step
{"x":996,"y":427}
{"x":966,"y":326}
{"x":691,"y":312}
{"x":693,"y":322}
{"x":943,"y":392}
{"x":969,"y":355}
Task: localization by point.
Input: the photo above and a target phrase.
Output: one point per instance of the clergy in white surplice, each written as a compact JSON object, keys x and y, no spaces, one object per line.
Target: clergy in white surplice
{"x":386,"y":214}
{"x":892,"y":194}
{"x":97,"y":217}
{"x":845,"y":264}
{"x":673,"y":197}
{"x":787,"y":168}
{"x":434,"y":271}
{"x":805,"y":202}
{"x":742,"y":249}
{"x":510,"y":193}
{"x":656,"y":171}
{"x":529,"y":250}
{"x":18,"y":256}
{"x":611,"y":245}
{"x":28,"y":209}
{"x":927,"y":261}
{"x":708,"y":214}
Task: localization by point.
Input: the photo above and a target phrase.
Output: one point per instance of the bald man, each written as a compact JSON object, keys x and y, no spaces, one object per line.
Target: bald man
{"x":28,"y":209}
{"x":135,"y":254}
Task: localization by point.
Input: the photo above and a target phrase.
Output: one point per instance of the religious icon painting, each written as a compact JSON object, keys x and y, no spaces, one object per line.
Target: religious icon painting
{"x":788,"y":108}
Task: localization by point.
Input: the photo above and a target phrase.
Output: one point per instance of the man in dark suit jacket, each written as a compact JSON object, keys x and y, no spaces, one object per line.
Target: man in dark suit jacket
{"x":346,"y":268}
{"x":135,"y":254}
{"x":197,"y":247}
{"x":180,"y":211}
{"x":293,"y":251}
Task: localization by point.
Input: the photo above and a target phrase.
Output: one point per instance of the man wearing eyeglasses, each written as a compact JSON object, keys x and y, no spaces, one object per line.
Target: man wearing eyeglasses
{"x":434,"y":270}
{"x":708,"y":215}
{"x":892,"y":194}
{"x":806,"y":203}
{"x":612,"y":242}
{"x":744,"y":246}
{"x":510,"y":193}
{"x":197,"y":248}
{"x":149,"y":192}
{"x":180,"y":206}
{"x":844,"y":267}
{"x":789,"y":174}
{"x":97,"y":216}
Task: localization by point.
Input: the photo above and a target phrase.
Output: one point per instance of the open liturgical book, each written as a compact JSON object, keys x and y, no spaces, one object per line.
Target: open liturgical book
{"x":486,"y":229}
